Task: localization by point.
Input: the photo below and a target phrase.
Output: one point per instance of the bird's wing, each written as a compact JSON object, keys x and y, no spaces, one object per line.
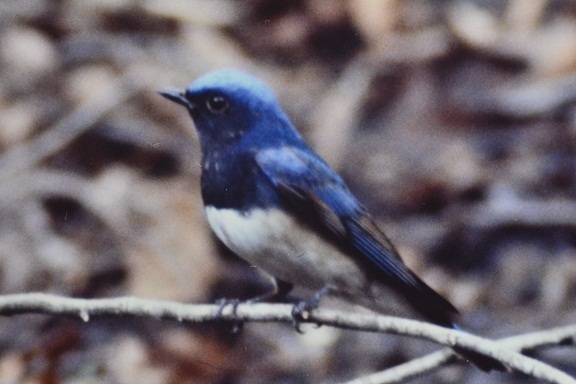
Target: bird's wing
{"x":312,"y":191}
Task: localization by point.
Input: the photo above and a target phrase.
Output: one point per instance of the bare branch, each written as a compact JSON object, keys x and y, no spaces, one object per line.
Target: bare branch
{"x":409,"y":370}
{"x":129,"y":306}
{"x":417,"y":367}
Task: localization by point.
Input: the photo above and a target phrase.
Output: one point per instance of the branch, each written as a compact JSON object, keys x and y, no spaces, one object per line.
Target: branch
{"x":197,"y":313}
{"x":409,"y":370}
{"x":417,"y":367}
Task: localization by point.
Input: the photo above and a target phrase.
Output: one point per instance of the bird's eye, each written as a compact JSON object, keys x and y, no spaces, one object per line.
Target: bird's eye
{"x":217,"y":104}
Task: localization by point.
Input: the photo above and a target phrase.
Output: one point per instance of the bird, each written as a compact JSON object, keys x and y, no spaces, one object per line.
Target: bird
{"x":273,"y":201}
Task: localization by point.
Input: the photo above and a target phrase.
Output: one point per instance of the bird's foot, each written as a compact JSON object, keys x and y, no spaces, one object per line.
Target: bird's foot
{"x":301,"y":312}
{"x":235,"y":325}
{"x":302,"y":308}
{"x":281,"y":289}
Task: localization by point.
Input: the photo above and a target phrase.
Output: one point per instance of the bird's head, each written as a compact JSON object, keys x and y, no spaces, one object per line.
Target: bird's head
{"x":229,"y":105}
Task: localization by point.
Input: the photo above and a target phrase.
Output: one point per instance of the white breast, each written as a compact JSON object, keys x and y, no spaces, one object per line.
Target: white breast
{"x":278,"y":244}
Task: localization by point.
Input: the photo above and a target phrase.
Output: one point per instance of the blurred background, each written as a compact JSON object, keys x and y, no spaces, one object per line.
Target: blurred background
{"x":454,"y":122}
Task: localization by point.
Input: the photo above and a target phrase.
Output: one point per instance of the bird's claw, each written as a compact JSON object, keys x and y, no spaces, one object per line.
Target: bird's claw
{"x":301,"y":312}
{"x":223,"y":303}
{"x":235,"y":325}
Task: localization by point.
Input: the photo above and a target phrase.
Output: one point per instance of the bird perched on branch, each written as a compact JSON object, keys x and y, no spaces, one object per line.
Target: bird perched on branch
{"x":274,"y":202}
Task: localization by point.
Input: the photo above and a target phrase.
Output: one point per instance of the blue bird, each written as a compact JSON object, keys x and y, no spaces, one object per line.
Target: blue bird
{"x":274,"y":202}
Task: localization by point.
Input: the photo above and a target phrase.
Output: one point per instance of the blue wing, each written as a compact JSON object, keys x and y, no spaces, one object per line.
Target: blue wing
{"x":313,"y":191}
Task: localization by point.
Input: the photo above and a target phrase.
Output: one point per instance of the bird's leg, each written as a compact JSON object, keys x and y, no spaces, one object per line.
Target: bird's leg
{"x":279,"y":292}
{"x":301,"y":309}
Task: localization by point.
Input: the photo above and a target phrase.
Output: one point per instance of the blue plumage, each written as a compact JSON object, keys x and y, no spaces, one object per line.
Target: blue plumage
{"x":272,"y":200}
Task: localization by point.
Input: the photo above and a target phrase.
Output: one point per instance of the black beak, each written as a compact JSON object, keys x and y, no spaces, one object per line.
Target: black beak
{"x":177,"y":97}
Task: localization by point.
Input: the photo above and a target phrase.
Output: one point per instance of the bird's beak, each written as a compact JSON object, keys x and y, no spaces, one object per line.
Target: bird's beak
{"x":177,"y":97}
